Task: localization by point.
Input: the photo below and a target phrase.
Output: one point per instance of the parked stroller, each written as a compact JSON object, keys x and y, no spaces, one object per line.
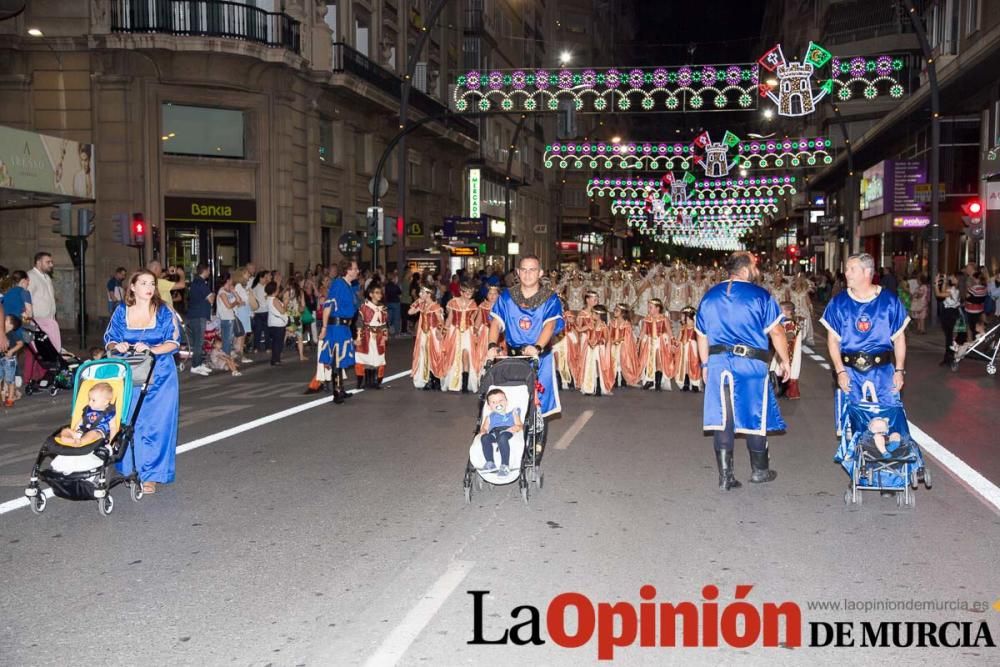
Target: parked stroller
{"x":898,"y":471}
{"x":45,"y":367}
{"x":516,"y":377}
{"x":185,"y":351}
{"x":86,"y":472}
{"x":985,"y":348}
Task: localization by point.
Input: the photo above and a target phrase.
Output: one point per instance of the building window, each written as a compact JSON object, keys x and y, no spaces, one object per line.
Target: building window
{"x":202,"y":131}
{"x":971,"y":16}
{"x":361,"y":35}
{"x":326,"y":140}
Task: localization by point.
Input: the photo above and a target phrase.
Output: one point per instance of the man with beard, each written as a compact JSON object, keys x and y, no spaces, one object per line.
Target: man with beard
{"x":735,"y":320}
{"x":529,"y":316}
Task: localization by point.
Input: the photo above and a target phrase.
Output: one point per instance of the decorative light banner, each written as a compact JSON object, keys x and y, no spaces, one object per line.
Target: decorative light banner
{"x":761,"y":154}
{"x":758,"y":186}
{"x":687,"y":88}
{"x":742,"y":206}
{"x":850,"y":77}
{"x":691,"y":223}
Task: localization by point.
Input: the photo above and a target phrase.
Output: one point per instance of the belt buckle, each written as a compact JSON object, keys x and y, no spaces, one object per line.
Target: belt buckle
{"x":740,"y":350}
{"x":862,"y":362}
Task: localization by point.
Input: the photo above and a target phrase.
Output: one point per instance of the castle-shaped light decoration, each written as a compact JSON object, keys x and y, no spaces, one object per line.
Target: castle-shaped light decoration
{"x":795,"y":96}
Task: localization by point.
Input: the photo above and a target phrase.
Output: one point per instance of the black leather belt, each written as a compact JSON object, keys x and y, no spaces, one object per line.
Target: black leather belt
{"x":345,"y":321}
{"x":516,"y":351}
{"x":741,"y":351}
{"x":865,"y":361}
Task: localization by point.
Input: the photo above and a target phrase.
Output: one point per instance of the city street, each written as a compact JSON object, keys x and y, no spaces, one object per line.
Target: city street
{"x":339,"y":534}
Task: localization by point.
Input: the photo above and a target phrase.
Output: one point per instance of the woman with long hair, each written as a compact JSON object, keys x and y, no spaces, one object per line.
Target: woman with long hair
{"x":294,"y":302}
{"x":656,"y":353}
{"x":597,"y":375}
{"x":147,"y":324}
{"x":244,"y":313}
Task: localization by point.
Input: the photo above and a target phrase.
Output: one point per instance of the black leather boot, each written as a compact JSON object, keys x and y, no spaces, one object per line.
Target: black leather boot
{"x":659,"y":379}
{"x":724,"y":461}
{"x":376,"y":380}
{"x":362,"y":380}
{"x":687,"y":384}
{"x":761,"y":468}
{"x":338,"y":387}
{"x":465,"y":382}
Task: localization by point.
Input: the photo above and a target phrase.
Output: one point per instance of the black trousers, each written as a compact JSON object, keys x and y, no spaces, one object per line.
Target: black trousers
{"x":276,"y":335}
{"x":948,"y":316}
{"x":723,"y":440}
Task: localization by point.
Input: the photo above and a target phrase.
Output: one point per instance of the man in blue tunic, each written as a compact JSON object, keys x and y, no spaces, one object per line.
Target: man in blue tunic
{"x":867,"y":343}
{"x":529,"y":316}
{"x":735,"y":320}
{"x":339,"y":309}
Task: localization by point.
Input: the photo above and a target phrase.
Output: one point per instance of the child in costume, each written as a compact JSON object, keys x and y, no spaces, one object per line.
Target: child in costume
{"x":372,"y":338}
{"x":220,"y":361}
{"x":498,"y":427}
{"x":686,"y":362}
{"x":426,"y":369}
{"x":624,"y":351}
{"x":562,"y":348}
{"x":596,"y":371}
{"x":793,"y":333}
{"x":582,"y":326}
{"x":656,"y":356}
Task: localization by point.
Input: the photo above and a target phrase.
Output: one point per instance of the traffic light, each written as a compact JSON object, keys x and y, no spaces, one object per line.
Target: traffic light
{"x":972,"y":211}
{"x":137,"y":231}
{"x":376,"y":223}
{"x":63,"y":215}
{"x":121,"y":228}
{"x":393,"y":228}
{"x":793,"y":251}
{"x":85,"y":221}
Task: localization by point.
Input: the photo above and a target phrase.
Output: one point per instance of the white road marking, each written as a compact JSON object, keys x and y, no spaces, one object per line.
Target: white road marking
{"x":825,"y":365}
{"x":575,"y":429}
{"x":18,"y":503}
{"x":399,"y":640}
{"x":807,"y":349}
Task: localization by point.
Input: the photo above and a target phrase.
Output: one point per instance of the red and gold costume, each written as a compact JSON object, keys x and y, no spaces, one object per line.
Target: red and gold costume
{"x":561,"y":347}
{"x":686,"y":361}
{"x":373,"y":334}
{"x":656,"y":354}
{"x":427,"y":343}
{"x":624,"y":352}
{"x":463,"y":349}
{"x":793,"y":334}
{"x":596,"y":366}
{"x":576,"y":351}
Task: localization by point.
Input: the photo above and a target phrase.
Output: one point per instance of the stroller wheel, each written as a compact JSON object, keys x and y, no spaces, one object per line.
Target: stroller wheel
{"x":927,"y":479}
{"x":538,"y":478}
{"x":468,"y":494}
{"x":954,"y":367}
{"x":29,"y":389}
{"x":53,"y":390}
{"x":991,"y":369}
{"x":479,"y":483}
{"x":38,"y":502}
{"x":105,"y":505}
{"x":135,"y":491}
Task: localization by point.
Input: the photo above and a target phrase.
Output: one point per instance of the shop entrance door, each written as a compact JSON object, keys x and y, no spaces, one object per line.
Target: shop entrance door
{"x":223,"y":247}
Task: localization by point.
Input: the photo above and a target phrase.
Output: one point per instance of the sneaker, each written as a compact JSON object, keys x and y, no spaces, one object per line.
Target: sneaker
{"x":245,"y":360}
{"x":504,"y":470}
{"x":201,"y":370}
{"x":489,"y":467}
{"x":236,"y":374}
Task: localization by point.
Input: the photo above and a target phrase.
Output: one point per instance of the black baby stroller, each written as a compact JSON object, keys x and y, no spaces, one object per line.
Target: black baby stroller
{"x":47,"y":368}
{"x":87,"y":472}
{"x":517,"y":377}
{"x":985,"y":348}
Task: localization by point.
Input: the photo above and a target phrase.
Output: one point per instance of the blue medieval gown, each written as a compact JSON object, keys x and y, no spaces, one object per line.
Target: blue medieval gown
{"x":155,"y":439}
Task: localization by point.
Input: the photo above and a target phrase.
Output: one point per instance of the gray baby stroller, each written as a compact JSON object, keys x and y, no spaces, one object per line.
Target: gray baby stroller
{"x":517,"y":377}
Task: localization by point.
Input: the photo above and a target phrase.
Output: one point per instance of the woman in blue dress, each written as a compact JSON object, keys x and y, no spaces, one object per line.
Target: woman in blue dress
{"x":146,"y":323}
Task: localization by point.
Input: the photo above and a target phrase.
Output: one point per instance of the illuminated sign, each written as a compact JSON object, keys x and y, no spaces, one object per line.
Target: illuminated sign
{"x":498,"y":227}
{"x":464,"y":251}
{"x":475,"y":187}
{"x":911,"y":221}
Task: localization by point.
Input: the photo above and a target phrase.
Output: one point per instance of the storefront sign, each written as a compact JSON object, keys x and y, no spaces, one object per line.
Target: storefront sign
{"x":415,"y":229}
{"x":993,"y":196}
{"x":873,"y":191}
{"x":465,"y":228}
{"x":498,"y":227}
{"x":922,"y":192}
{"x":910,"y":221}
{"x":464,"y":251}
{"x":475,"y":188}
{"x":891,"y":187}
{"x":200,"y":209}
{"x":47,"y":165}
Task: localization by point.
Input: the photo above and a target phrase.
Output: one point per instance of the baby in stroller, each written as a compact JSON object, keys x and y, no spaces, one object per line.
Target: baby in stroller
{"x":498,"y":427}
{"x":96,"y":420}
{"x":878,"y":441}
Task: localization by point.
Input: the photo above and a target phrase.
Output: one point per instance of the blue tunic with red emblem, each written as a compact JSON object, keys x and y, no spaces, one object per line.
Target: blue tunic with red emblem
{"x":523,"y":326}
{"x":870,"y":327}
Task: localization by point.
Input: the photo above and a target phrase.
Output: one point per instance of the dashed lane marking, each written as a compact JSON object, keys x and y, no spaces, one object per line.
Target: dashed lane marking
{"x":399,"y":640}
{"x":18,"y":503}
{"x":575,"y":429}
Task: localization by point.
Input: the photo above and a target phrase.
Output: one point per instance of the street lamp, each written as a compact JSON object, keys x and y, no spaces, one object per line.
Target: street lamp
{"x":768,"y":114}
{"x":616,"y":139}
{"x":35,"y":32}
{"x":565,"y":57}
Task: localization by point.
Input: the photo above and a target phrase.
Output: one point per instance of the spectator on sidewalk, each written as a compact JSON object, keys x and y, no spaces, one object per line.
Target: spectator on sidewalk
{"x":976,"y":294}
{"x":244,"y":314}
{"x":13,"y":343}
{"x":167,"y":285}
{"x":43,"y":298}
{"x":115,"y":292}
{"x":949,"y":305}
{"x":17,"y":300}
{"x":200,"y":300}
{"x":919,"y":302}
{"x":277,"y":320}
{"x":393,"y":295}
{"x":258,"y":291}
{"x":226,"y":303}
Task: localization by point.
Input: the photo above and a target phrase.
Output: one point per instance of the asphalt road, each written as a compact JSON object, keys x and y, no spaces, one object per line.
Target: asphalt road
{"x":340,"y":535}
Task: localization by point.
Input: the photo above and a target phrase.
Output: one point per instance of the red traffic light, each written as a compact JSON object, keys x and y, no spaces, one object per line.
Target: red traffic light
{"x":973,"y":208}
{"x":138,"y":235}
{"x":793,"y":251}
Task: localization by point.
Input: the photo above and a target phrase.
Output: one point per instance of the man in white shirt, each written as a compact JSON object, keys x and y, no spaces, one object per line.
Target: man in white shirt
{"x":43,"y":297}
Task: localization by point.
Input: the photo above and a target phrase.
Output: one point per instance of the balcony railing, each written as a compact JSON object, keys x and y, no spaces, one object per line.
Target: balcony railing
{"x":346,"y":59}
{"x":206,"y":18}
{"x":857,"y":20}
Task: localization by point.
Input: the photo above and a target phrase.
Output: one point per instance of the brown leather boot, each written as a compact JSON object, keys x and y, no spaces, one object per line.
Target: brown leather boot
{"x":792,"y":393}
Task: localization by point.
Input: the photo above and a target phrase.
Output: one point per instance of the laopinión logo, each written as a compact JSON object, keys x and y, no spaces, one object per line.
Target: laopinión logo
{"x":708,"y":623}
